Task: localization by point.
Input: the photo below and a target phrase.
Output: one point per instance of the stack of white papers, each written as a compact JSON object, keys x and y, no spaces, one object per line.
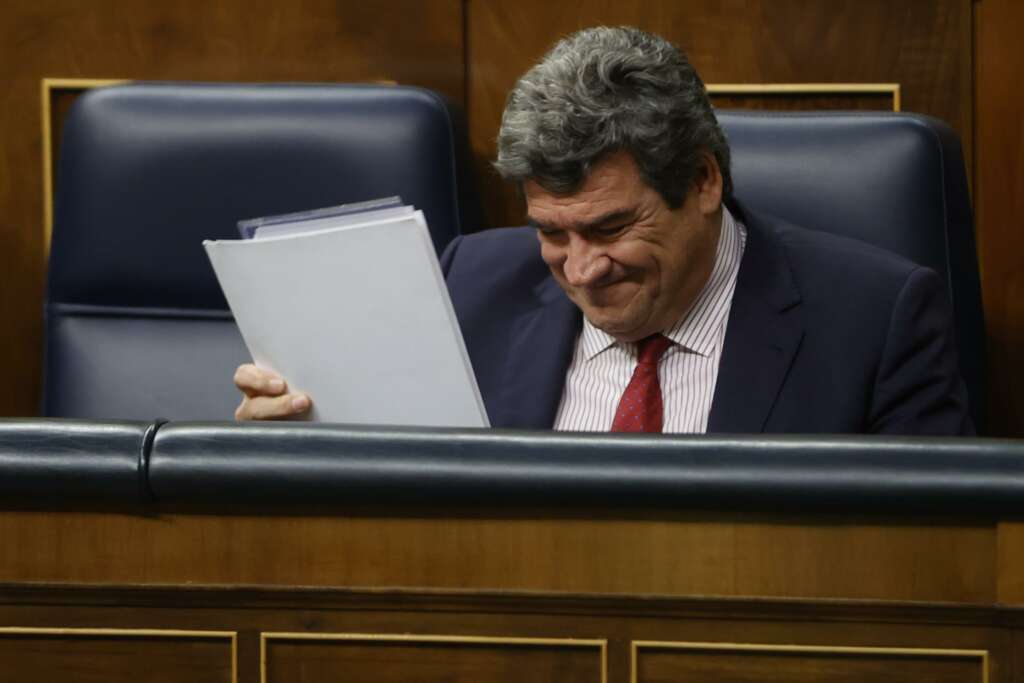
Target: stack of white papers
{"x":349,"y":305}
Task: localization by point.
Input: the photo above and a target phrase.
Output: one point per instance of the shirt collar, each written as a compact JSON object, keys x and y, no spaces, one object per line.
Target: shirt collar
{"x":697,"y":330}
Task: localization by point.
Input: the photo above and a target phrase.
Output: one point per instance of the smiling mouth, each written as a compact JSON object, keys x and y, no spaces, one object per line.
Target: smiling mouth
{"x":606,"y":294}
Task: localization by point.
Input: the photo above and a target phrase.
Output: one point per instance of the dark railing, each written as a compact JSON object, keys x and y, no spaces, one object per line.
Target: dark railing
{"x":276,"y":464}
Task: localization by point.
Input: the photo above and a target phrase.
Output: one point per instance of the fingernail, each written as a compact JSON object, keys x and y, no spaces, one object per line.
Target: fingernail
{"x":300,"y":402}
{"x":276,"y":384}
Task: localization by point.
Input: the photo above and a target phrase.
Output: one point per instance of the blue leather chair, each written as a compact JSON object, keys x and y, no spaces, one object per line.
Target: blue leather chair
{"x":893,"y":180}
{"x":136,"y":326}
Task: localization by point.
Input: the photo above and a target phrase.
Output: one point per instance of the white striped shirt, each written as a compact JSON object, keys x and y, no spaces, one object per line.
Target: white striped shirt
{"x":602,"y":367}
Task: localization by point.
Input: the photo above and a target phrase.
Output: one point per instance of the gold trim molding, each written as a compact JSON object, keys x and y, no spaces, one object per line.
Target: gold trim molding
{"x":906,"y":652}
{"x":231,"y":636}
{"x":891,"y":89}
{"x":600,"y":644}
{"x":46,"y":89}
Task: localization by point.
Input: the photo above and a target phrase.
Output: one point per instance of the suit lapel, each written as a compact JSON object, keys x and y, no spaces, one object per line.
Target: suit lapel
{"x":541,"y":343}
{"x":762,"y":337}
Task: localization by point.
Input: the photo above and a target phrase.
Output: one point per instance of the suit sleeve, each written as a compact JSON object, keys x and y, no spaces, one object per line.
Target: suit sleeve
{"x":918,"y":389}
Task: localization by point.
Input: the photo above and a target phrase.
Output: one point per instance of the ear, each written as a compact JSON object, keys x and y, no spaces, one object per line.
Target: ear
{"x":709,"y":185}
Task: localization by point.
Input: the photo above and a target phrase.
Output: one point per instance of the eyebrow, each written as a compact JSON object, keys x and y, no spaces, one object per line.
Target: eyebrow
{"x":599,"y":222}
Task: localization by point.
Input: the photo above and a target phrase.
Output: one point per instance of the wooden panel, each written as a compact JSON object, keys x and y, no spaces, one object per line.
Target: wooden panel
{"x":84,"y":656}
{"x":313,"y":658}
{"x":924,"y":45}
{"x":676,"y":555}
{"x":800,"y":102}
{"x":999,"y":204}
{"x":513,"y":616}
{"x":1016,"y":663}
{"x":806,"y":96}
{"x":1010,"y":568}
{"x":408,"y":41}
{"x":710,"y":663}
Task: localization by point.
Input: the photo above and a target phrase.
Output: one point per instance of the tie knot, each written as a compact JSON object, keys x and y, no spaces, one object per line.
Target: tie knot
{"x":650,"y":349}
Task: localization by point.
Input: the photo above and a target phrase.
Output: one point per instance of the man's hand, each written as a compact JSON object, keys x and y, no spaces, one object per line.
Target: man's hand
{"x":266,"y":395}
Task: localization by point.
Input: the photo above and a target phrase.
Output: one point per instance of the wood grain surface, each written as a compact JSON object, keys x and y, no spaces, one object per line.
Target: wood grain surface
{"x":86,"y":657}
{"x":999,"y":204}
{"x":924,"y":45}
{"x":391,"y":634}
{"x":672,"y":555}
{"x":1010,"y":563}
{"x":808,"y":102}
{"x":407,"y":41}
{"x":399,"y":660}
{"x":1016,"y":662}
{"x":795,"y":664}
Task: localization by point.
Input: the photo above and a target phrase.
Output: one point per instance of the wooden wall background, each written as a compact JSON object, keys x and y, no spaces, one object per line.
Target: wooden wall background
{"x":959,"y":60}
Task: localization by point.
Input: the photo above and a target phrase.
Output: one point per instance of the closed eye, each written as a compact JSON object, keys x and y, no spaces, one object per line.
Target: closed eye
{"x":606,"y":227}
{"x":549,"y":232}
{"x":609,"y":231}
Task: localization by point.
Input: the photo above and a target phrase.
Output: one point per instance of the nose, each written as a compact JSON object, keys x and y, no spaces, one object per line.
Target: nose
{"x":585,"y":263}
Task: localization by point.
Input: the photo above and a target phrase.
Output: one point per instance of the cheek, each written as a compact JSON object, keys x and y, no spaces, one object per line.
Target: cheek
{"x":634,"y":256}
{"x":687,"y":255}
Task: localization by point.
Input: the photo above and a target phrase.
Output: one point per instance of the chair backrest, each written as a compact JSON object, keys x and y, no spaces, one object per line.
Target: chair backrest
{"x":136,"y":325}
{"x":894,"y":180}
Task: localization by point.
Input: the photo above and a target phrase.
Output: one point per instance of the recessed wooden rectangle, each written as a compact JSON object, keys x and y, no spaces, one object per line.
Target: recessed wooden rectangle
{"x":806,"y":96}
{"x":110,"y":656}
{"x":724,"y":663}
{"x":365,"y":658}
{"x":805,"y":102}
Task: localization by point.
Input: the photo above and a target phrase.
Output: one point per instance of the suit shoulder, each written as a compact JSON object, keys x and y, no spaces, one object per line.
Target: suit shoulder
{"x":827,"y":263}
{"x":493,"y":256}
{"x":846,"y":286}
{"x":840,"y":255}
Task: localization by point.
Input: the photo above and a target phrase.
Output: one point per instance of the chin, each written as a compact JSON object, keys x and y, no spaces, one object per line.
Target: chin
{"x":620,"y":320}
{"x":623,"y":330}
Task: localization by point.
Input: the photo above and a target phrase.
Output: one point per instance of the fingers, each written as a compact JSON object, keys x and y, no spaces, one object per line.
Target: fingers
{"x":266,"y":395}
{"x":253,"y":381}
{"x":272,"y":407}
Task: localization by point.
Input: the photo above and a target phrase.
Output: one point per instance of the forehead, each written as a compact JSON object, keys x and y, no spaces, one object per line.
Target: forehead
{"x":613,"y":184}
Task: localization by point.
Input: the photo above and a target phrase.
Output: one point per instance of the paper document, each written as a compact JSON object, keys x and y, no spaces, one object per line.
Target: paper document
{"x":357,"y":316}
{"x":250,"y":227}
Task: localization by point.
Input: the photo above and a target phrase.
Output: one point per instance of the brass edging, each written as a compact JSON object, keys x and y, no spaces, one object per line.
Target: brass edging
{"x":46,"y":88}
{"x":132,"y":633}
{"x":892,"y":89}
{"x":600,"y":643}
{"x":907,"y":652}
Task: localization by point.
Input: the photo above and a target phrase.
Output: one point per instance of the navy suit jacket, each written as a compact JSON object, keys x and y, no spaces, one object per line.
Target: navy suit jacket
{"x":825,"y":335}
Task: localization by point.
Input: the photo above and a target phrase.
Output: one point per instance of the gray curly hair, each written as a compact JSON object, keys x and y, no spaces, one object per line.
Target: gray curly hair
{"x":605,"y":89}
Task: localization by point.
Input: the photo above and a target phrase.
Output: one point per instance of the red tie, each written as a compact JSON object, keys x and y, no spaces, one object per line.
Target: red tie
{"x":640,"y":407}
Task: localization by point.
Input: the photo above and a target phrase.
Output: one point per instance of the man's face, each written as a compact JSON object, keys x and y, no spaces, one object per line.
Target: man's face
{"x":633,"y":265}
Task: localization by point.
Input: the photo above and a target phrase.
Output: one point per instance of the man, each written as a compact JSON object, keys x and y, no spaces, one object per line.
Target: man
{"x":656,"y":301}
